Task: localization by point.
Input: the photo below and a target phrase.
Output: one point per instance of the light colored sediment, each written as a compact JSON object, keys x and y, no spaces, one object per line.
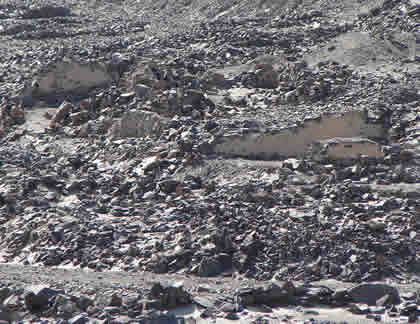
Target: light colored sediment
{"x":295,"y":141}
{"x":70,"y":76}
{"x":342,"y":148}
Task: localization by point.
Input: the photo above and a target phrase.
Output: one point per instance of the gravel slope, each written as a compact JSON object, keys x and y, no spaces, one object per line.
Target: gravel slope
{"x":154,"y":137}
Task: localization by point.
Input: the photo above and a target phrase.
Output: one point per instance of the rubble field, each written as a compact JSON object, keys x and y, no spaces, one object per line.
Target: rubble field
{"x":197,"y":161}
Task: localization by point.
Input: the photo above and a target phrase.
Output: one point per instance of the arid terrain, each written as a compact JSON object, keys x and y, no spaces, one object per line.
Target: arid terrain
{"x":198,"y":161}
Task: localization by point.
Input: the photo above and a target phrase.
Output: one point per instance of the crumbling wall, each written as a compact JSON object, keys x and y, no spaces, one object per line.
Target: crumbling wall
{"x":295,"y":141}
{"x":71,"y":76}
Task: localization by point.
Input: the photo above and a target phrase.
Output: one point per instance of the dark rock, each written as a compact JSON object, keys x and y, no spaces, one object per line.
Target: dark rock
{"x":359,"y":309}
{"x":206,"y":301}
{"x":8,"y":316}
{"x":38,"y":298}
{"x":83,"y":302}
{"x":170,"y":294}
{"x":369,"y":293}
{"x":151,"y":304}
{"x":79,"y":118}
{"x":210,"y":266}
{"x":384,"y":301}
{"x":62,"y":113}
{"x":228,"y":307}
{"x":133,"y":174}
{"x":340,"y":297}
{"x":408,"y":308}
{"x":161,"y":319}
{"x":115,"y":300}
{"x":168,"y":186}
{"x":269,"y":294}
{"x":232,"y":316}
{"x":13,"y":304}
{"x":4,"y":293}
{"x":48,"y":11}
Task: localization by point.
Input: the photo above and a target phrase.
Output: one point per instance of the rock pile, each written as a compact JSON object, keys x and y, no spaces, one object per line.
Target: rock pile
{"x":136,"y":300}
{"x":266,"y":146}
{"x":10,"y":115}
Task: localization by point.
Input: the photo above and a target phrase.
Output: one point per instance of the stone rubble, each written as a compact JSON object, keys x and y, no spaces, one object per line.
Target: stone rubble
{"x":244,"y":141}
{"x":154,"y":301}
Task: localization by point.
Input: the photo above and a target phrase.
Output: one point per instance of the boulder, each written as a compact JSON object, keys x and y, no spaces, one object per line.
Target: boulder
{"x":62,"y":113}
{"x":143,"y":91}
{"x":79,"y":118}
{"x":193,"y":97}
{"x":210,"y":266}
{"x":370,"y":293}
{"x":171,"y":294}
{"x":214,"y":79}
{"x":38,"y":297}
{"x":269,"y":294}
{"x":267,"y":77}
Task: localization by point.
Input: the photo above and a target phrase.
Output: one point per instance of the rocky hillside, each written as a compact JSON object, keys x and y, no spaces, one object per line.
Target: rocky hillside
{"x":276,"y":141}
